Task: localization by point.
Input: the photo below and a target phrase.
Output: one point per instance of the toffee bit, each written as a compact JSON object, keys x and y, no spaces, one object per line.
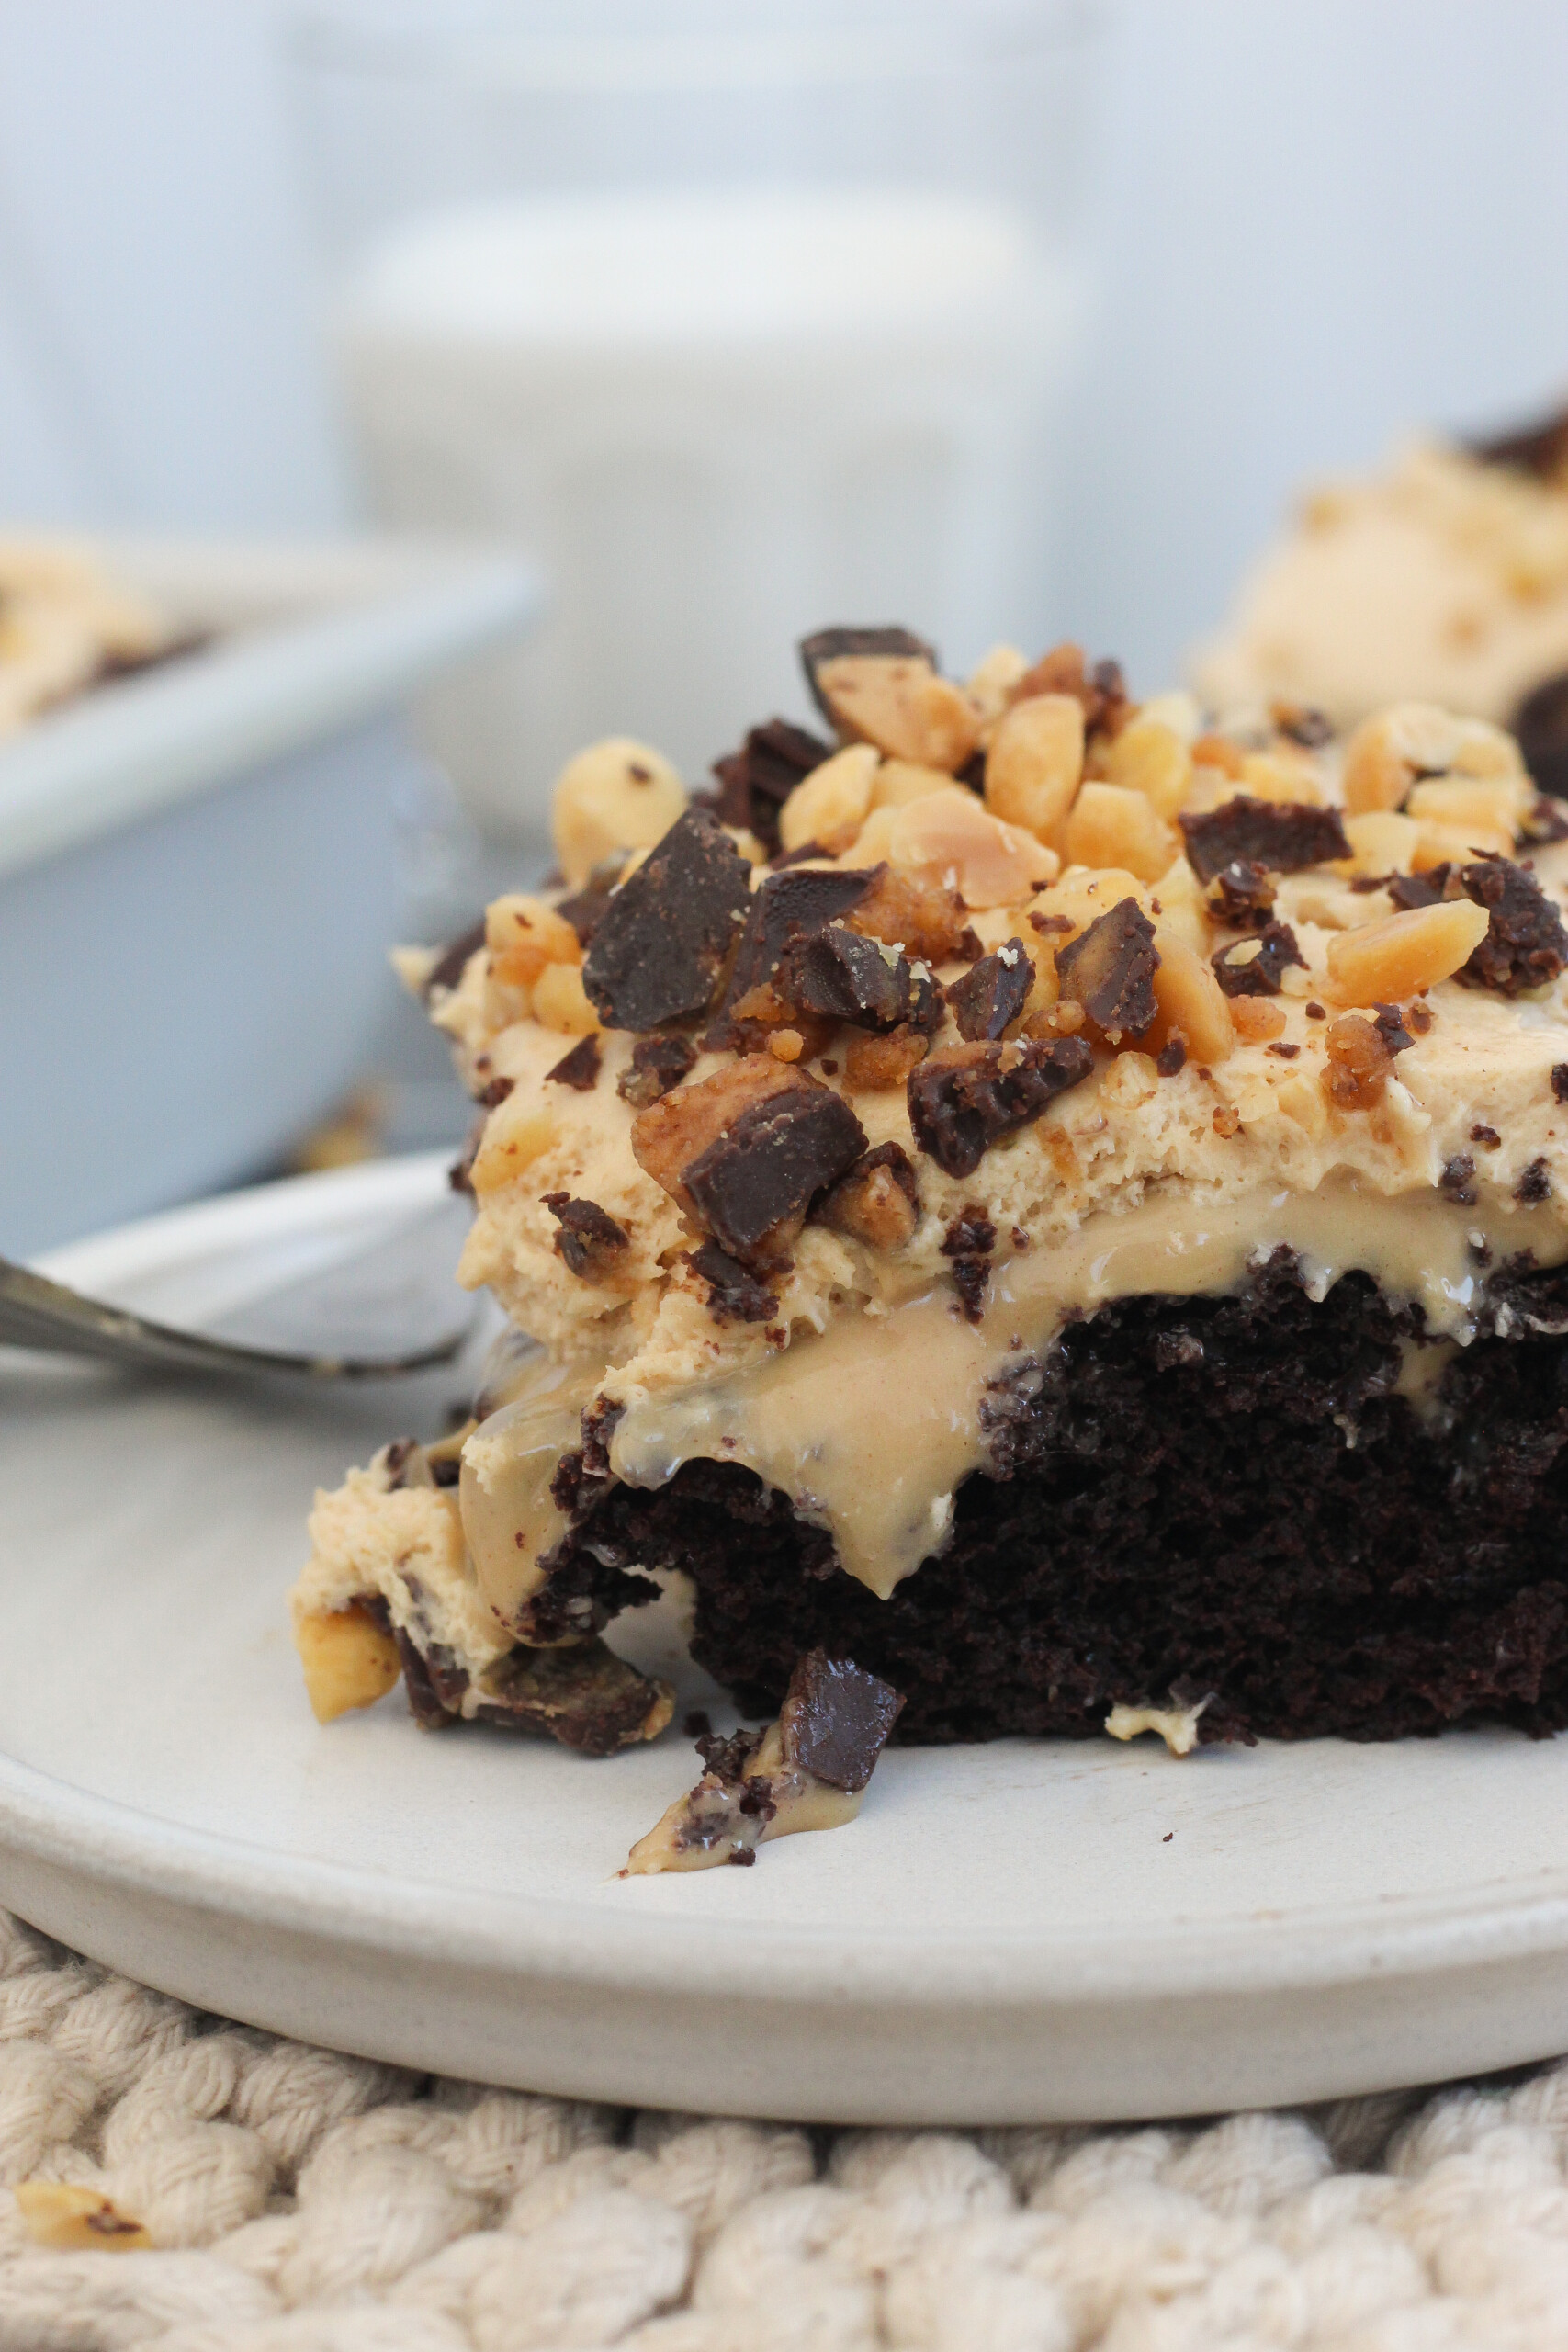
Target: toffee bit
{"x":589,"y":1238}
{"x":1534,"y":1185}
{"x":1110,"y":970}
{"x":872,"y":1065}
{"x":1359,"y":1062}
{"x":766,"y":1167}
{"x":580,"y":1069}
{"x":1258,"y":975}
{"x":1390,"y":1025}
{"x":658,"y":1064}
{"x":663,"y":942}
{"x":1171,"y":1057}
{"x":1456,"y":1182}
{"x":1227,"y":1120}
{"x":824,"y":645}
{"x":967,"y":1097}
{"x":1526,"y":944}
{"x":992,"y":992}
{"x":789,"y":908}
{"x":877,"y":1201}
{"x":735,"y":1296}
{"x":1283,"y":835}
{"x":836,"y":1719}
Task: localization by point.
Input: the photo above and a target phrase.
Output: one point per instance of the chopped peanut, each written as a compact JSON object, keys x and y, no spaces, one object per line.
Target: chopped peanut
{"x":561,"y":1002}
{"x":1416,"y":740}
{"x":1150,"y":757}
{"x":1254,"y":1019}
{"x":616,"y":794}
{"x":897,"y":702}
{"x":524,"y":935}
{"x":1501,"y":804}
{"x":1131,"y":1079}
{"x":949,"y":836}
{"x":1452,"y":844}
{"x":1190,"y":1000}
{"x":1398,"y":956}
{"x":832,"y":801}
{"x":516,"y":1132}
{"x":347,"y":1659}
{"x":1177,"y":900}
{"x":1035,"y":763}
{"x":1299,"y":1100}
{"x":926,"y":919}
{"x":993,"y":683}
{"x":1383,"y":841}
{"x":898,"y":781}
{"x":74,"y":2219}
{"x":1218,"y":752}
{"x":1270,"y":775}
{"x":1110,"y":825}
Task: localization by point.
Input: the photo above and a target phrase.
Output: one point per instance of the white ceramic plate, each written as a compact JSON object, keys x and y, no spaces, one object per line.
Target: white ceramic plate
{"x":1017,"y":1932}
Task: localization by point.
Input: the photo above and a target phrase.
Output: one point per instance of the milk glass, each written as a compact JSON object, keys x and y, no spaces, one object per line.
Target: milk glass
{"x":742,"y":320}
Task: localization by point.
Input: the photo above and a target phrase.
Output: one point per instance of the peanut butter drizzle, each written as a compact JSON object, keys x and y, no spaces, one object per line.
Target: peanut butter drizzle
{"x":872,"y":1427}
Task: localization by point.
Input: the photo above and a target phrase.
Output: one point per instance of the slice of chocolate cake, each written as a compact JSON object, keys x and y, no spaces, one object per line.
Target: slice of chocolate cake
{"x":1078,"y":1242}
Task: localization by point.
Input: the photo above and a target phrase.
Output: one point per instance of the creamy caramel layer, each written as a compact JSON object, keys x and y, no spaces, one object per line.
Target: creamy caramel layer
{"x":870,"y":1427}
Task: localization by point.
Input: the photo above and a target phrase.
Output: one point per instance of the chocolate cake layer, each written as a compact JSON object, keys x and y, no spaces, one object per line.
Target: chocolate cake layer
{"x":1300,"y":1506}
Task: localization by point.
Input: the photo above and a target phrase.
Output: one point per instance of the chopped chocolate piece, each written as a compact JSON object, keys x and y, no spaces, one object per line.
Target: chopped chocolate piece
{"x":1100,"y":689}
{"x":663,"y":941}
{"x":1046,"y":924}
{"x":1283,"y":835}
{"x":1560,"y":1081}
{"x":877,"y":1201}
{"x":1526,"y":944}
{"x":969,"y":1241}
{"x":992,"y":992}
{"x":459,"y":1176}
{"x":1488,"y":1137}
{"x":495,"y":1092}
{"x":1259,"y":975}
{"x":801,"y":856}
{"x":1315,"y":1012}
{"x":973,"y":771}
{"x":1110,"y":970}
{"x":1539,"y":450}
{"x":446,"y":1469}
{"x":844,"y":975}
{"x":1456,"y":1182}
{"x":582,"y":1695}
{"x":1540,"y":724}
{"x":787,"y":907}
{"x":827,"y":645}
{"x":1302,"y":724}
{"x":453,"y":962}
{"x":585,"y":909}
{"x":1243,"y":895}
{"x":967,"y":1098}
{"x":924,"y":918}
{"x":766,"y":1167}
{"x":871,"y":1065}
{"x":658,"y":1063}
{"x":580,"y":1069}
{"x":697,"y":1725}
{"x":1286,"y":1051}
{"x":1390,"y":1025}
{"x":589,"y":1236}
{"x":836,"y":1719}
{"x":1419,"y":1017}
{"x":734,"y":1294}
{"x":755,"y":781}
{"x":1171,"y":1057}
{"x":1409,"y":891}
{"x":1535,"y":1185}
{"x":1363,"y":885}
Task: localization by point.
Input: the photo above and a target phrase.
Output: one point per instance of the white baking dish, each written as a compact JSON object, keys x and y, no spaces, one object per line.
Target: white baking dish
{"x":197,"y":872}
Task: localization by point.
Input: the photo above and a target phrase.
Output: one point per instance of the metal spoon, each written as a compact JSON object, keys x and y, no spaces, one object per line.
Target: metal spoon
{"x":373,"y":1291}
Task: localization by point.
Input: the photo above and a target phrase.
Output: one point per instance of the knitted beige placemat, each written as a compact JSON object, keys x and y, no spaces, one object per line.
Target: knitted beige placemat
{"x":264,"y":2197}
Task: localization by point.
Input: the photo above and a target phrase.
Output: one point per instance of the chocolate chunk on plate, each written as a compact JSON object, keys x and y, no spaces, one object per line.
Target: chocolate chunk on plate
{"x":836,"y":1719}
{"x":1109,"y":970}
{"x":992,"y":992}
{"x":661,"y":944}
{"x":1283,"y":835}
{"x":767,"y":1165}
{"x":967,"y":1097}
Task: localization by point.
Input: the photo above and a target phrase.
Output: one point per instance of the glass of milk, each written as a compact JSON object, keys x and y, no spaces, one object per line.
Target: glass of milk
{"x":742,"y":319}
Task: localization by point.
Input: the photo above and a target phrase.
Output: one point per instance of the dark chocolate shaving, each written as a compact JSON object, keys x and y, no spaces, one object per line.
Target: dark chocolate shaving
{"x":585,"y":909}
{"x":589,"y":1239}
{"x":992,"y":992}
{"x":1259,"y":975}
{"x":1526,"y":944}
{"x":663,"y":942}
{"x":453,"y":962}
{"x":832,"y":644}
{"x":658,"y":1064}
{"x":580,"y":1069}
{"x":1243,"y":895}
{"x":735,"y":1296}
{"x":1109,"y":970}
{"x":1541,"y":723}
{"x":1283,"y":835}
{"x":836,"y":1719}
{"x":962,"y":1102}
{"x":766,"y":1167}
{"x":755,"y":781}
{"x":842,"y":975}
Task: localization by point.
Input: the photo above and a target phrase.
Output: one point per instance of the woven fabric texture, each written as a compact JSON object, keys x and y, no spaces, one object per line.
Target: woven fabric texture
{"x":298,"y":2201}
